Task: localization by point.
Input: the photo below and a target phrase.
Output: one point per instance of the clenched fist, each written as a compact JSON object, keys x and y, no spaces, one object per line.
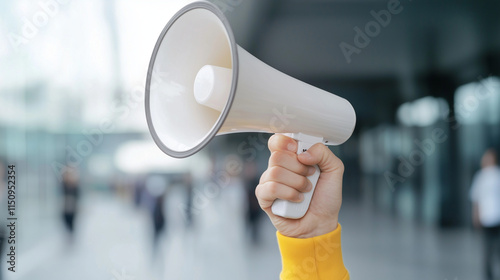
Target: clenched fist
{"x":286,"y":178}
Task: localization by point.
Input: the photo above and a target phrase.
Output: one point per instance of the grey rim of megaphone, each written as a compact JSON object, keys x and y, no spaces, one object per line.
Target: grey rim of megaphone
{"x":235,"y":65}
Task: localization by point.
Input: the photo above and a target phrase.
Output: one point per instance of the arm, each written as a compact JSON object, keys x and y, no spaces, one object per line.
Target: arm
{"x":475,"y":206}
{"x":310,"y":246}
{"x":475,"y":215}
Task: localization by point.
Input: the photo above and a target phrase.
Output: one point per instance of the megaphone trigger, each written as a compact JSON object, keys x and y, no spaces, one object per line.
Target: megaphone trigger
{"x":296,"y":210}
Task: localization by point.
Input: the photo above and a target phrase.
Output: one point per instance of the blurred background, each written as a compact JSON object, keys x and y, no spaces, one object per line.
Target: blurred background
{"x":96,"y":199}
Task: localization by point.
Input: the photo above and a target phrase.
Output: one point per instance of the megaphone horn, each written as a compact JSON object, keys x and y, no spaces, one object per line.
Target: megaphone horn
{"x":211,"y":86}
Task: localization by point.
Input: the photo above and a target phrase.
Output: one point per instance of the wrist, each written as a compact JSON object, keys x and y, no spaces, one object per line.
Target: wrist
{"x":320,"y":229}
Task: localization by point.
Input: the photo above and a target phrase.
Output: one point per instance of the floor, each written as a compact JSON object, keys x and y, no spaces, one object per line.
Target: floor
{"x":113,"y":242}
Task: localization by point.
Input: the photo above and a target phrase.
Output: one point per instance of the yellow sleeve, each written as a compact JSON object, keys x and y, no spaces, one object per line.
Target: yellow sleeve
{"x":316,"y":258}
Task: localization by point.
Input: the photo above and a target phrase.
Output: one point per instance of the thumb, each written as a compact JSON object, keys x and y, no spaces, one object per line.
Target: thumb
{"x":322,"y":156}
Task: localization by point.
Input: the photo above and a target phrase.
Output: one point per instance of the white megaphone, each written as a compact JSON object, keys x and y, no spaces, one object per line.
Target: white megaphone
{"x":200,"y":84}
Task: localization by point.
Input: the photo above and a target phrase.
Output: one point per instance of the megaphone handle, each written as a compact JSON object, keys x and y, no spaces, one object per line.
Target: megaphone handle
{"x":297,"y":210}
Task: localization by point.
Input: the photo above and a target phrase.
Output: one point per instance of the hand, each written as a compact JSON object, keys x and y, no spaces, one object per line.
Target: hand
{"x":286,"y":178}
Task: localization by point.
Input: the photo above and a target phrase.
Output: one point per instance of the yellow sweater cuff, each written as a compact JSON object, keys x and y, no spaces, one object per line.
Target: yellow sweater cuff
{"x":316,"y":258}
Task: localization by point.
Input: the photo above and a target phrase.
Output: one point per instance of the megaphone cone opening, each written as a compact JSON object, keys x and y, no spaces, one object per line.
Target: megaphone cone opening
{"x":198,"y":35}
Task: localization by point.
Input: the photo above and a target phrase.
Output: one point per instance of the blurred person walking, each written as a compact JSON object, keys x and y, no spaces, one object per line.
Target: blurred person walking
{"x":188,"y":184}
{"x":70,"y":189}
{"x":252,"y":177}
{"x":156,"y":188}
{"x":485,"y":196}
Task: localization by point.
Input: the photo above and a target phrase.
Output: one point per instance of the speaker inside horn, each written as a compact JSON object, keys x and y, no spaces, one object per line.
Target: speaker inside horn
{"x":196,"y":36}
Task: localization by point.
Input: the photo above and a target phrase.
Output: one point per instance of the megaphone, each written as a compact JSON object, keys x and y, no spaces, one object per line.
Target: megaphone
{"x":200,"y":84}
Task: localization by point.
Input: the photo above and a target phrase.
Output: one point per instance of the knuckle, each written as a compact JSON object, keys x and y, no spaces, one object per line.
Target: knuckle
{"x":290,"y":195}
{"x":273,"y":159}
{"x":303,"y":182}
{"x":278,"y":142}
{"x":277,"y":158}
{"x":304,"y":170}
{"x":270,"y":142}
{"x":274,"y":172}
{"x":263,"y":177}
{"x":258,"y":191}
{"x":275,"y":142}
{"x":272,"y":188}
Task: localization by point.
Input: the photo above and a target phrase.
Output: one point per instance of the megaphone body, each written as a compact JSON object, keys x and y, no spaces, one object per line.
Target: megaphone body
{"x":201,"y":84}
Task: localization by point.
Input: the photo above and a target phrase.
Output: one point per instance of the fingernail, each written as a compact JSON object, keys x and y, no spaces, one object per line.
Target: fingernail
{"x":306,"y":155}
{"x":300,"y":197}
{"x":309,"y":187}
{"x":311,"y":171}
{"x":292,"y":147}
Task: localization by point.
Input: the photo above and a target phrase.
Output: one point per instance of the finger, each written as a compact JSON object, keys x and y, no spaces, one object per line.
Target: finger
{"x":280,"y":142}
{"x":268,"y":192}
{"x":286,"y":177}
{"x":289,"y":161}
{"x":322,"y":156}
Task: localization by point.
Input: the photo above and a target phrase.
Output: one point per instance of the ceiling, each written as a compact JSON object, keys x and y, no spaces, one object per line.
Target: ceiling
{"x":426,"y":48}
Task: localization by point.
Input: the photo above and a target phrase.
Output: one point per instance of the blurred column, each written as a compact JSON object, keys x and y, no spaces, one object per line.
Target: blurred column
{"x":451,"y":208}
